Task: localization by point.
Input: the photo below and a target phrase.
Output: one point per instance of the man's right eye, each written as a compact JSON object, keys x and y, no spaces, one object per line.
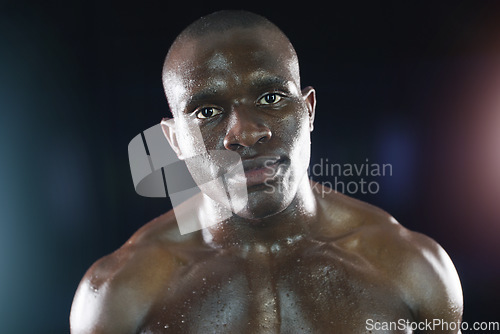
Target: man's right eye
{"x":207,"y":112}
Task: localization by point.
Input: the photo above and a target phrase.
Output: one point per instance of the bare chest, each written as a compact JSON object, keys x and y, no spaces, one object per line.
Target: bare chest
{"x":308,"y":293}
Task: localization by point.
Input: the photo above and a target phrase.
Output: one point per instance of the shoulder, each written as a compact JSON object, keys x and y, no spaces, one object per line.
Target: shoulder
{"x":419,"y":268}
{"x":416,"y":264}
{"x":428,"y":278}
{"x":117,"y":291}
{"x":342,"y":214}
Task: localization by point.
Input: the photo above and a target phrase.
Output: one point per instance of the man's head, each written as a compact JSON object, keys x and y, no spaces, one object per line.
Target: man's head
{"x":232,"y":83}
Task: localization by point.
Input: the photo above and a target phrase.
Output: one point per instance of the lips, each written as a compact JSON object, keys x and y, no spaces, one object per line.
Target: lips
{"x":261,"y":170}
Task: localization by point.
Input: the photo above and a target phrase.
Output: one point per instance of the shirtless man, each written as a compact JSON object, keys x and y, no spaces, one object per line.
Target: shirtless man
{"x":293,"y":260}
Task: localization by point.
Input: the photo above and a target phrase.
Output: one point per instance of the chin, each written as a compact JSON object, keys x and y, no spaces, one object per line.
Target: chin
{"x":262,"y":205}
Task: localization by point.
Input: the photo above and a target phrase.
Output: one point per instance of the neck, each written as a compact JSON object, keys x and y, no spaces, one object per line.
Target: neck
{"x":269,"y":233}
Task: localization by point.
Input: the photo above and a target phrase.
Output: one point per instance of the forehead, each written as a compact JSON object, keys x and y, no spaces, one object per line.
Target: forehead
{"x":235,"y":58}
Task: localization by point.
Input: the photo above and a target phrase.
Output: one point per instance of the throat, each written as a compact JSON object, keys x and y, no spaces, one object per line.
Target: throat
{"x":272,"y":232}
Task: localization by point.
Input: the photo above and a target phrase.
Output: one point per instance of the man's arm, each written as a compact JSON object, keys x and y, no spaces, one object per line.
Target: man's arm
{"x":103,"y":303}
{"x":434,"y":286}
{"x":117,"y":292}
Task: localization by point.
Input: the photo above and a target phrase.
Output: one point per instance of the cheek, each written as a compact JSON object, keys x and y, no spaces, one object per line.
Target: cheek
{"x":190,"y":140}
{"x":297,"y":136}
{"x":300,"y":148}
{"x":213,"y":138}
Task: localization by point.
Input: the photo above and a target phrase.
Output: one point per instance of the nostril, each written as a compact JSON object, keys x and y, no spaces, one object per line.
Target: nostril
{"x":263,"y":139}
{"x":264,"y":136}
{"x":234,"y":147}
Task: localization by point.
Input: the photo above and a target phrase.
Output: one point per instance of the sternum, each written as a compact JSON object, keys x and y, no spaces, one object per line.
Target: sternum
{"x":264,"y":301}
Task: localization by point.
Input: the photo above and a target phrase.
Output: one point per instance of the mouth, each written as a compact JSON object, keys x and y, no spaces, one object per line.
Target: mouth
{"x":262,"y":170}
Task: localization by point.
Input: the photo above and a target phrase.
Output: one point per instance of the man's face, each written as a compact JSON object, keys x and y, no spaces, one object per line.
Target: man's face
{"x":241,"y":91}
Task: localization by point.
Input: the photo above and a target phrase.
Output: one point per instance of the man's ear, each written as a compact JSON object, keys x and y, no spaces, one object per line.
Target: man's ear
{"x":309,"y":95}
{"x":168,"y":127}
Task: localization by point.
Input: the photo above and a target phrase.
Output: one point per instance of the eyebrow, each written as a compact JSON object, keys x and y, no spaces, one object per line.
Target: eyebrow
{"x":203,"y":95}
{"x":207,"y":94}
{"x":264,"y":81}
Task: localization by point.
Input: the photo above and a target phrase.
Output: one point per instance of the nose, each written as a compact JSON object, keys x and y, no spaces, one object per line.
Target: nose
{"x":246,"y":130}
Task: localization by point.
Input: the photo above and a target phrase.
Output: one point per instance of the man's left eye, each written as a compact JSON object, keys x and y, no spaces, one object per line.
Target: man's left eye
{"x":270,"y":99}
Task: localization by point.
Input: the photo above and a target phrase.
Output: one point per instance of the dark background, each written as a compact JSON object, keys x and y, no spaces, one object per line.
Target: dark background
{"x":412,"y":84}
